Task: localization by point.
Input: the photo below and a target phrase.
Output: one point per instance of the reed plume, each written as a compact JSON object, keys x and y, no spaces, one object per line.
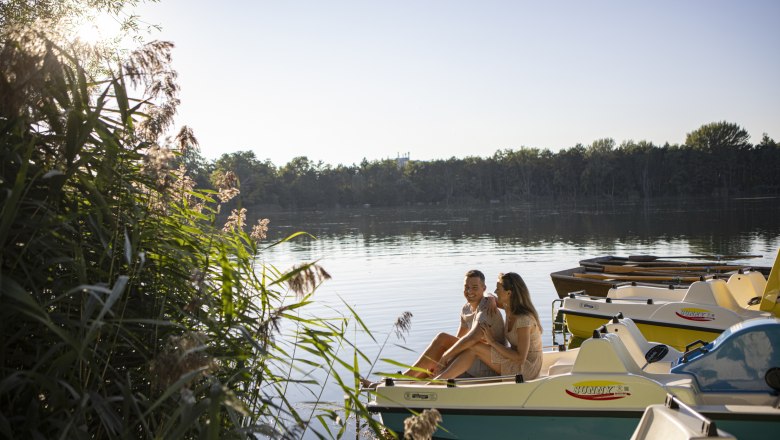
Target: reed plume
{"x":422,"y":426}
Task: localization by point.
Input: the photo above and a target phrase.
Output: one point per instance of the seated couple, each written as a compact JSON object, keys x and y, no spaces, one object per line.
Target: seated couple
{"x":480,"y":346}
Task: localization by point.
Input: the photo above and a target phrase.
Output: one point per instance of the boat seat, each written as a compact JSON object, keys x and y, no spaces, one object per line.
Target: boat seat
{"x":558,"y":362}
{"x":645,"y":292}
{"x":605,"y":354}
{"x":712,"y":292}
{"x":632,"y":338}
{"x":724,"y":297}
{"x":701,"y":292}
{"x":746,"y":286}
{"x":638,"y":346}
{"x":561,"y":366}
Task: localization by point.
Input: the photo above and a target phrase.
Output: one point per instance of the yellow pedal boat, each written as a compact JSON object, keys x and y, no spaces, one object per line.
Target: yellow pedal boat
{"x":676,"y":317}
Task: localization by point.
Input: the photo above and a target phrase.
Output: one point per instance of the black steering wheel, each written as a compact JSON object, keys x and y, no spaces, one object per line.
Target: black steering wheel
{"x":656,"y":353}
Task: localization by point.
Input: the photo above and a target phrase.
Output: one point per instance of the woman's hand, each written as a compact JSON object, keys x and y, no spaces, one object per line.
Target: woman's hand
{"x":444,"y":361}
{"x":487,"y":334}
{"x":441,"y":365}
{"x":492,"y":305}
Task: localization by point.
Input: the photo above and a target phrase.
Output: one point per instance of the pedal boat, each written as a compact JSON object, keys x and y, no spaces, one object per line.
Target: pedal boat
{"x":602,"y":389}
{"x":675,"y":317}
{"x":676,"y":420}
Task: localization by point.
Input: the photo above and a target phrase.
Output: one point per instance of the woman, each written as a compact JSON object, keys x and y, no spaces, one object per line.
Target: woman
{"x":522,"y":329}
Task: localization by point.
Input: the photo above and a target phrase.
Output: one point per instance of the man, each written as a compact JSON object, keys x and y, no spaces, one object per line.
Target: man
{"x":445,"y":347}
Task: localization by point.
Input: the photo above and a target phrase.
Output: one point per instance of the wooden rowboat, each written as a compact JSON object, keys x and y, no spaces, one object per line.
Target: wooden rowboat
{"x":595,"y":276}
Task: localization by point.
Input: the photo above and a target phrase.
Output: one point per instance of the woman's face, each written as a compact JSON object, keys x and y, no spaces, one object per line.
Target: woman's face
{"x":502,"y":294}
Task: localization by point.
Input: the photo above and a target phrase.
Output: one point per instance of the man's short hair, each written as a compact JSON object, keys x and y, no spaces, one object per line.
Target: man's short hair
{"x":475,"y":273}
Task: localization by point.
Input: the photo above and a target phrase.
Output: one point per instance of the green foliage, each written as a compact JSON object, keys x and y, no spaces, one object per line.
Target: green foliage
{"x":126,"y":311}
{"x":717,"y":159}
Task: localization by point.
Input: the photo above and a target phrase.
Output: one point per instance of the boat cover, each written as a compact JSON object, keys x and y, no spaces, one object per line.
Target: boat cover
{"x":738,"y":360}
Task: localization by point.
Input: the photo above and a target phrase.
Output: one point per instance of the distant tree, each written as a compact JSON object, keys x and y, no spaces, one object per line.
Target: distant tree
{"x":635,"y":165}
{"x":256,"y":179}
{"x":300,"y":177}
{"x":569,"y":166}
{"x":720,"y":144}
{"x":764,"y":165}
{"x":718,"y":137}
{"x":597,"y":177}
{"x":524,"y":166}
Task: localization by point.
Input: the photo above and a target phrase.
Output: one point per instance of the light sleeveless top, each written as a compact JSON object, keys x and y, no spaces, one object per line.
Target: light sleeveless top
{"x":533,"y":361}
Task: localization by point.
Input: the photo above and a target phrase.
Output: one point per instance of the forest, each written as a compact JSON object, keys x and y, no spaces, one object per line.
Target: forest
{"x":716,"y":160}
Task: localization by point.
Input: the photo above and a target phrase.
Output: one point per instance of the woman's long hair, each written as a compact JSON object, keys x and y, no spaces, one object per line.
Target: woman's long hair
{"x":520,"y":298}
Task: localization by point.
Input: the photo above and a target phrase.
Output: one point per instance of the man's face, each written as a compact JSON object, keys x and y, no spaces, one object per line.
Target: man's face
{"x":473,"y":288}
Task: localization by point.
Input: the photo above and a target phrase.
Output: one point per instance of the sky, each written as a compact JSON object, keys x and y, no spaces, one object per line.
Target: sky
{"x":340,"y":81}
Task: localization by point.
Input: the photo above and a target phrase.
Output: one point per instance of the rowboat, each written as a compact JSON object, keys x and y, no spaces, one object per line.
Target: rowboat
{"x":602,"y":389}
{"x":596,"y":276}
{"x":674,"y":317}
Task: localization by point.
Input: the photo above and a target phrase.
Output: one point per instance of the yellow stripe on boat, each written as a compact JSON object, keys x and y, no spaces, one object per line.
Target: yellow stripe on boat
{"x":583,"y":326}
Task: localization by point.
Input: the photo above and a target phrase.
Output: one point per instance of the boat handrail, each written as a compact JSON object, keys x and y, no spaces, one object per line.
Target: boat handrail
{"x":516,"y":378}
{"x":708,"y":427}
{"x":641,"y":300}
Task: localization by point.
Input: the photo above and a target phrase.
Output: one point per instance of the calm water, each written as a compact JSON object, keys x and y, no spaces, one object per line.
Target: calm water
{"x":385,"y":262}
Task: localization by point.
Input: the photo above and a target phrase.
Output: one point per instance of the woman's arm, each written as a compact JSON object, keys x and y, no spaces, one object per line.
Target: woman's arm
{"x":518,"y":354}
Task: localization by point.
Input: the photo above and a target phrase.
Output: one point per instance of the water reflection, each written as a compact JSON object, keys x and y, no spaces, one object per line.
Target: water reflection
{"x":704,"y":223}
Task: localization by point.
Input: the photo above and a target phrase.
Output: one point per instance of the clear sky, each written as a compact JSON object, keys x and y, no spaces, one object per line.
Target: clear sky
{"x":340,"y":81}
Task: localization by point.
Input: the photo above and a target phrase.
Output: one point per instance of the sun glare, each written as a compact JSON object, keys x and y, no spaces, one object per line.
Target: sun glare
{"x":95,"y":29}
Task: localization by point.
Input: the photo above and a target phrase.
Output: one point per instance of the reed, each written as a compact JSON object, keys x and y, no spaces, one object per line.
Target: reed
{"x":126,"y":311}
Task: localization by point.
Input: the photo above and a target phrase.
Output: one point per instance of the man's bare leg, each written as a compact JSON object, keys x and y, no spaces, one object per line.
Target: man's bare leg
{"x":465,"y":359}
{"x":427,"y":360}
{"x":430,"y":357}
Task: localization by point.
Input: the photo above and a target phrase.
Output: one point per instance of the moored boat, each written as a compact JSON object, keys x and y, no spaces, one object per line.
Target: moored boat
{"x":675,"y":317}
{"x":595,"y":276}
{"x":676,"y":420}
{"x":605,"y":391}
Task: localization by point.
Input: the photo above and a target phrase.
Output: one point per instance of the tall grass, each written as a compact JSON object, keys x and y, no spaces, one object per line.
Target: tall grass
{"x":126,"y":311}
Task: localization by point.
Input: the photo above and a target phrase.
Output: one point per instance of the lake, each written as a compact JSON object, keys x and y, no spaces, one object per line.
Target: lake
{"x":388,"y":261}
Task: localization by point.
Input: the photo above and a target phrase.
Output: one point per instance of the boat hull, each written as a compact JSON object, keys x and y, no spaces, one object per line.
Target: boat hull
{"x":748,"y":426}
{"x":582,"y":425}
{"x":576,"y":280}
{"x":565,"y":282}
{"x":678,"y":336}
{"x":514,"y":425}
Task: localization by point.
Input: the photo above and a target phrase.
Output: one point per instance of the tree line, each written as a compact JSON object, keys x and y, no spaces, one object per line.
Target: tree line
{"x":716,"y":159}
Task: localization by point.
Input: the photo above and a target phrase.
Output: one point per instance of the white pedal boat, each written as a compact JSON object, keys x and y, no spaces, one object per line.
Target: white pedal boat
{"x":676,"y":421}
{"x":602,"y":389}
